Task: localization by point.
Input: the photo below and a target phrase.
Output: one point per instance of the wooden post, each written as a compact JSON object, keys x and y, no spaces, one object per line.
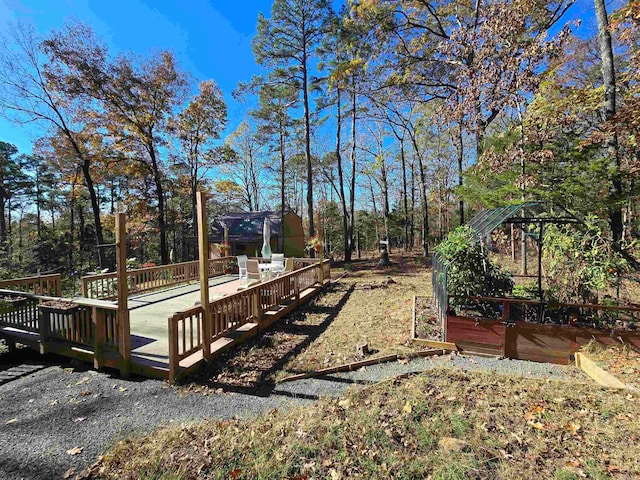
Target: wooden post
{"x":257,"y":303}
{"x":203,"y":258}
{"x":173,"y":350}
{"x":98,"y":318}
{"x":123,"y":295}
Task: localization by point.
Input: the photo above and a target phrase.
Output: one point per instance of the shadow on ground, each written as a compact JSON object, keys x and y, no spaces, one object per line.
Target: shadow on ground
{"x":250,"y":368}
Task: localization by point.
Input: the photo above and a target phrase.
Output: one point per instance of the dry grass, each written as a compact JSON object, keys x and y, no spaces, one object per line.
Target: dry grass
{"x":362,"y":306}
{"x":377,"y":312}
{"x":439,"y":425}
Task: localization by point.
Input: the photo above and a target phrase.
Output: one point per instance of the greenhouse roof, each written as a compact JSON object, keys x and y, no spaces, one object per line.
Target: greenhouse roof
{"x":487,"y":221}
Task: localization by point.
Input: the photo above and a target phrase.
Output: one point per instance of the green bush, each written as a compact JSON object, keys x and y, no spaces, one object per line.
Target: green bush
{"x":470,"y":272}
{"x":580,"y":263}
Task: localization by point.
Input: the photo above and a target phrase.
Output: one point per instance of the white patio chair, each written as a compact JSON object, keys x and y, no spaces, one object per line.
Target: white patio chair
{"x":253,"y":271}
{"x":242,"y":266}
{"x":277,"y":259}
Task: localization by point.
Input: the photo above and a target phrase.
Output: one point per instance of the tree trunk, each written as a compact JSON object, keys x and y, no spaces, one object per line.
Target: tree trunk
{"x":307,"y":142}
{"x":282,"y":186}
{"x":352,"y":187}
{"x":412,"y":219}
{"x":95,"y":209}
{"x":3,"y":223}
{"x":609,"y":108}
{"x":424,"y":198}
{"x":162,"y":223}
{"x":405,"y":212}
{"x":460,"y":152}
{"x":343,"y":200}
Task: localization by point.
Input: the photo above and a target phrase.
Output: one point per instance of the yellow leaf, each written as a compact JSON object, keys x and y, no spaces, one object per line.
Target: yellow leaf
{"x":75,"y":450}
{"x":537,"y":425}
{"x":573,"y":427}
{"x":407,"y":407}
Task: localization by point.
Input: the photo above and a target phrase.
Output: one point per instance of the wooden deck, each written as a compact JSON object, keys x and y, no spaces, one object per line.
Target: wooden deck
{"x":166,"y":327}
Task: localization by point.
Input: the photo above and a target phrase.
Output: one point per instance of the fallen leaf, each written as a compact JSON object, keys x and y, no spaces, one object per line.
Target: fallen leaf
{"x":407,"y":407}
{"x":346,"y":403}
{"x":403,"y":361}
{"x":573,"y":427}
{"x":69,"y":473}
{"x":79,"y":419}
{"x":235,"y":474}
{"x":75,"y":450}
{"x":537,"y":425}
{"x":53,"y":402}
{"x":13,"y":420}
{"x":85,"y":393}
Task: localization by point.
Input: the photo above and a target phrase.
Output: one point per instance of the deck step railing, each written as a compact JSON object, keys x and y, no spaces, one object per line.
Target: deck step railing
{"x":105,"y":286}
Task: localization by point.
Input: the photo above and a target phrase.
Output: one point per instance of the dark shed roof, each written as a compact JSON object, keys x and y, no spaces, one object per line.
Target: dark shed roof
{"x":245,"y":226}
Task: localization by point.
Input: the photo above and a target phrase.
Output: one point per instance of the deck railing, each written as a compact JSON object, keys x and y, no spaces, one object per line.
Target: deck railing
{"x":84,"y":322}
{"x":105,"y":286}
{"x":19,"y":310}
{"x":38,"y":284}
{"x":232,"y":311}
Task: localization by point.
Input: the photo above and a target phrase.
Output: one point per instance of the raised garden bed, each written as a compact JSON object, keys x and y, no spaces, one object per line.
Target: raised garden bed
{"x":11,"y":302}
{"x":59,"y":306}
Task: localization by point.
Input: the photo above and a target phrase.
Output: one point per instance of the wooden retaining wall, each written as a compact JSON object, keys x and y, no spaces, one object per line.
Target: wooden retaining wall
{"x":530,"y":341}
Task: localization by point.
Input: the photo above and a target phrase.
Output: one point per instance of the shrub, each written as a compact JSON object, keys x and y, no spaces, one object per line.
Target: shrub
{"x":470,"y":272}
{"x":581,"y":263}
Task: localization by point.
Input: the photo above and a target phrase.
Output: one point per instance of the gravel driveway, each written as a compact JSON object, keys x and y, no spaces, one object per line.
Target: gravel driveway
{"x":48,"y":410}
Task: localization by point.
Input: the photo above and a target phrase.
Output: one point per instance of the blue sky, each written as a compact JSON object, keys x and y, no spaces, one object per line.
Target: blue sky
{"x":212,"y":38}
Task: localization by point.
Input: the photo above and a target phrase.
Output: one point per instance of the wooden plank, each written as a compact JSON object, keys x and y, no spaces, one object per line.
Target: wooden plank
{"x":436,"y":344}
{"x":600,"y":375}
{"x":464,"y":329}
{"x":539,"y":343}
{"x":348,"y":367}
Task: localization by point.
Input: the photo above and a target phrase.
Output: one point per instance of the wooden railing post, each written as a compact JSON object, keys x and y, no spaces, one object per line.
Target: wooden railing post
{"x":257,"y":303}
{"x":44,"y":327}
{"x":321,"y":273}
{"x":83,"y":288}
{"x":99,"y":333}
{"x":203,"y":257}
{"x":173,"y":349}
{"x":123,"y":295}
